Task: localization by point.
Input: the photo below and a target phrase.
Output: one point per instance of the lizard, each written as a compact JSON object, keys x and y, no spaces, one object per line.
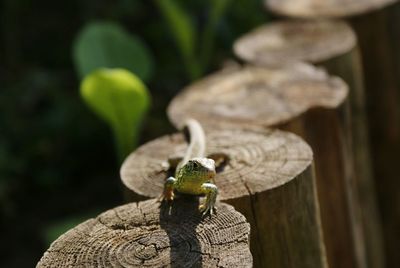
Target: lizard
{"x":195,"y":173}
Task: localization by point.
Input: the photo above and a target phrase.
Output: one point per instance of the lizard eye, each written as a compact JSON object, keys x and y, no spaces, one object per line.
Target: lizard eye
{"x":195,"y":165}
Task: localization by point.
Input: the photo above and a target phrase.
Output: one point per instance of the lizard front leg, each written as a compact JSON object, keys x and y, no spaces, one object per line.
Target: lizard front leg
{"x":211,"y":191}
{"x":169,"y":189}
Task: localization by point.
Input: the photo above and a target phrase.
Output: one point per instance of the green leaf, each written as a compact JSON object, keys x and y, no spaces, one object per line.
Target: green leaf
{"x":108,"y":45}
{"x":122,"y":100}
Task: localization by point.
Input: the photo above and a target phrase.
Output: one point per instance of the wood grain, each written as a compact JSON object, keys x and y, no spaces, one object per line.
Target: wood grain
{"x":257,"y":96}
{"x":146,"y":234}
{"x":379,"y":39}
{"x":330,"y":44}
{"x":265,"y":174}
{"x":312,"y":106}
{"x":256,"y":161}
{"x":376,"y":25}
{"x":289,"y":41}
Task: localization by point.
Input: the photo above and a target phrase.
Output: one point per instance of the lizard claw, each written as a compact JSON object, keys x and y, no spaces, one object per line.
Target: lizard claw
{"x":211,"y":196}
{"x":167,"y":196}
{"x":206,"y":208}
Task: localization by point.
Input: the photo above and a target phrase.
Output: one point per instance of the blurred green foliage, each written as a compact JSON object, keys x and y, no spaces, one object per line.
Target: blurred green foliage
{"x":184,"y":33}
{"x":122,"y":100}
{"x":108,"y":45}
{"x":194,"y":47}
{"x":56,"y":156}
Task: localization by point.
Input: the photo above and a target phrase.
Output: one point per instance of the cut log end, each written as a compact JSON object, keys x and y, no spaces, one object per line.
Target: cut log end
{"x":254,"y":161}
{"x":265,"y":174}
{"x":325,"y":9}
{"x":257,"y":96}
{"x":283,"y":43}
{"x":148,"y":234}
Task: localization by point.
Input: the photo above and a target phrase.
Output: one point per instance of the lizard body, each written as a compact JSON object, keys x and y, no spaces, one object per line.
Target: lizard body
{"x":195,"y":173}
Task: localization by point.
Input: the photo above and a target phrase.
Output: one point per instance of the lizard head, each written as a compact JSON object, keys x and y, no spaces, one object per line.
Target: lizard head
{"x":200,"y":168}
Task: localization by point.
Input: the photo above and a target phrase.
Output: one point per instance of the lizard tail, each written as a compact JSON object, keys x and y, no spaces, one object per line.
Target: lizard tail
{"x":197,"y":144}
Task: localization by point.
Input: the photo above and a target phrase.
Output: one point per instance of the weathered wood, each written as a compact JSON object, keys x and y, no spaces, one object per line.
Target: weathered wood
{"x":290,"y":41}
{"x":379,"y":37}
{"x":265,"y":174}
{"x":289,"y":98}
{"x":376,"y":23}
{"x":332,"y":45}
{"x":257,"y":96}
{"x":324,"y":8}
{"x":146,"y":234}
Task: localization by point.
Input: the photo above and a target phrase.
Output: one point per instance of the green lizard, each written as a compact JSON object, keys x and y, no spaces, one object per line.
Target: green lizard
{"x":195,"y":173}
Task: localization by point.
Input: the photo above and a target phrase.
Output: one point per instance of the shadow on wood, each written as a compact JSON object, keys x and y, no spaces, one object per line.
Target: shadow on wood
{"x":146,"y":234}
{"x":265,"y":174}
{"x":301,"y":99}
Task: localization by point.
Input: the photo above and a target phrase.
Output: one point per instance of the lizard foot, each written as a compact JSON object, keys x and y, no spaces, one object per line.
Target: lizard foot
{"x":211,"y":192}
{"x":206,"y":208}
{"x":168,"y":194}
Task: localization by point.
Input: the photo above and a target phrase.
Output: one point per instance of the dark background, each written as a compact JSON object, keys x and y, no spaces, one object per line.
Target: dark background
{"x":57,"y":159}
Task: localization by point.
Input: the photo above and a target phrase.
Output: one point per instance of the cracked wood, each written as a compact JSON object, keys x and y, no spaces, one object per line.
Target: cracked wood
{"x":146,"y":234}
{"x":302,"y":99}
{"x":265,"y":174}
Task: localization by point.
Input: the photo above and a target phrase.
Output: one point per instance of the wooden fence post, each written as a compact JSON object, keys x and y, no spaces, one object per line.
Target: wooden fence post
{"x":265,"y":174}
{"x":146,"y":234}
{"x":379,"y":35}
{"x":332,"y":45}
{"x":302,"y":99}
{"x":325,"y":9}
{"x":376,"y":23}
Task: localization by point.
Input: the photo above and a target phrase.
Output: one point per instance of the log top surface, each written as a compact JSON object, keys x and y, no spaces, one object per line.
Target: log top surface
{"x":285,"y":42}
{"x":325,"y":8}
{"x":257,"y":96}
{"x":146,"y":234}
{"x":255,"y":161}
